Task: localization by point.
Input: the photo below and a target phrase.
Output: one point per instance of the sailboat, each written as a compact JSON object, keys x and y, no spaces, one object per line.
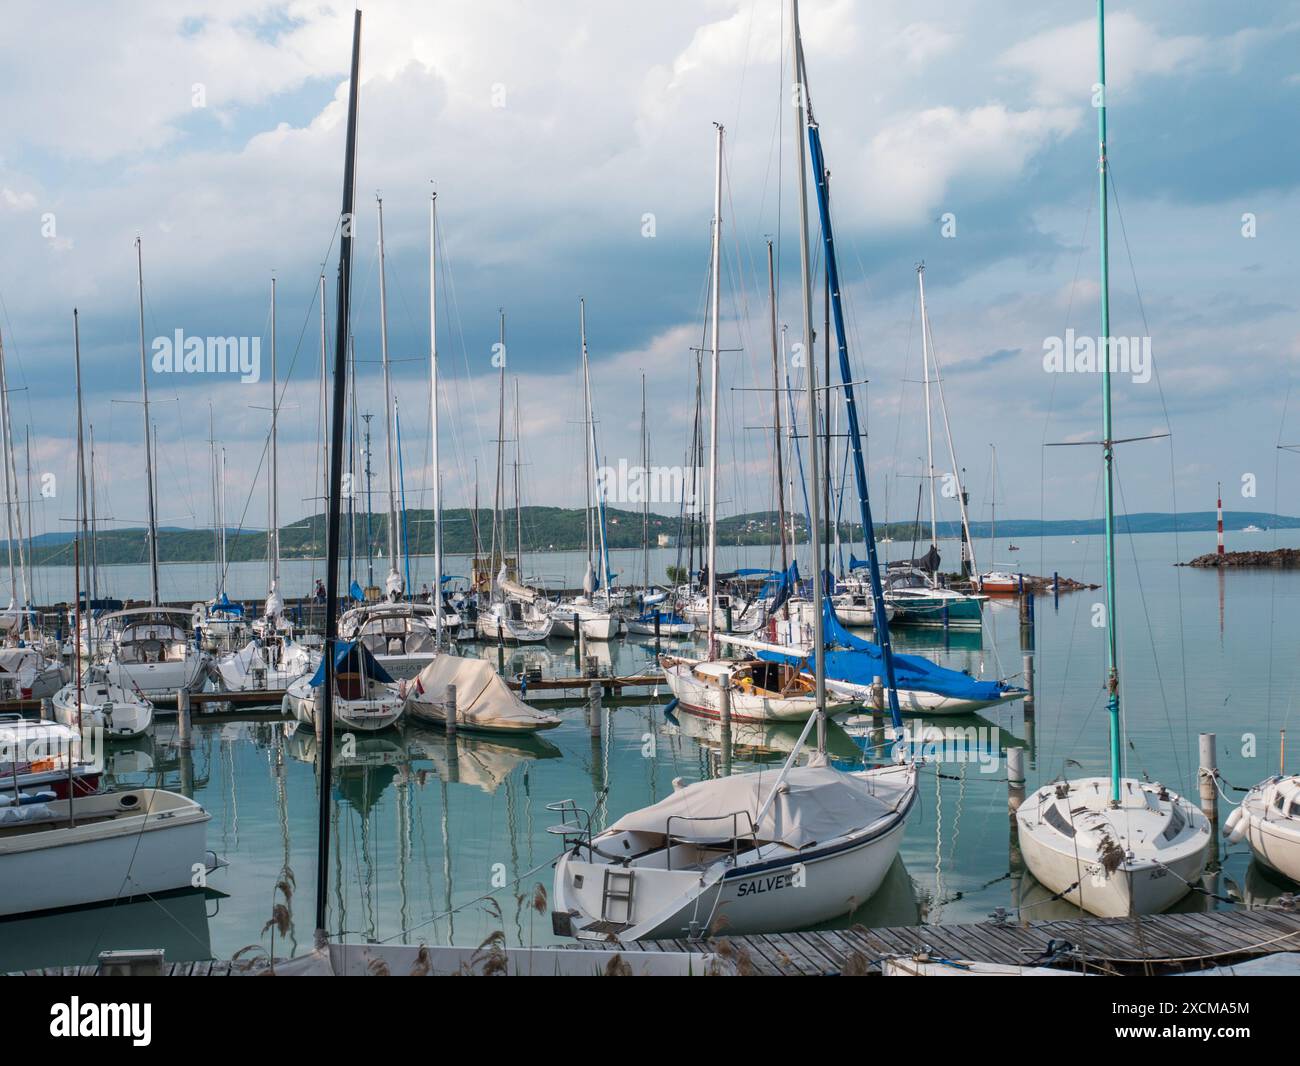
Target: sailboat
{"x":515,"y":613}
{"x":997,"y":582}
{"x":401,"y":634}
{"x":150,"y":651}
{"x":915,"y":593}
{"x":746,"y":851}
{"x":591,"y":610}
{"x":1114,"y":846}
{"x":271,"y":659}
{"x":90,"y":699}
{"x":1268,"y":820}
{"x":757,"y":691}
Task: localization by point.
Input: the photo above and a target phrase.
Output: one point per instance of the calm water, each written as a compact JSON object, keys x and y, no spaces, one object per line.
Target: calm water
{"x":422,"y":827}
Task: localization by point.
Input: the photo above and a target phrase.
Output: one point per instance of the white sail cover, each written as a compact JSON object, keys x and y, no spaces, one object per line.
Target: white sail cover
{"x":513,"y":588}
{"x":814,"y":805}
{"x":482,"y":697}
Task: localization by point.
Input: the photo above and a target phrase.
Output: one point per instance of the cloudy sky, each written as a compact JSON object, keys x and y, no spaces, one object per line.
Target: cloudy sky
{"x":572,"y":147}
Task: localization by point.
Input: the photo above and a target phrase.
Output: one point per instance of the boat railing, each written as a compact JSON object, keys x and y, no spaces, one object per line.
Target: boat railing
{"x":736,"y":834}
{"x":574,"y":826}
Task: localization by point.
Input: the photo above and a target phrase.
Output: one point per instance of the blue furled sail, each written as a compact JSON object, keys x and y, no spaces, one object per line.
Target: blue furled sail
{"x":854,"y":660}
{"x":351,"y":657}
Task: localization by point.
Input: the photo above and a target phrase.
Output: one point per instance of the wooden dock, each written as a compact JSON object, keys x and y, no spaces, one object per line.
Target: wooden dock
{"x":1157,"y":944}
{"x":1162,"y":943}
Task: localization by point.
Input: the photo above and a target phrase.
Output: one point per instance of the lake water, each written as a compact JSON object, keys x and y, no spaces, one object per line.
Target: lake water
{"x":424,"y":830}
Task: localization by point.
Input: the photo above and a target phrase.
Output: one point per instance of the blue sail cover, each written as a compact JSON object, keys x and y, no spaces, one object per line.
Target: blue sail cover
{"x":857,"y":661}
{"x":224,"y":606}
{"x":352,"y":658}
{"x":354,"y":591}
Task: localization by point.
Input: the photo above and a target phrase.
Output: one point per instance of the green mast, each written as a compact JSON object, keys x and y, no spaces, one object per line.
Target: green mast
{"x":1107,"y":444}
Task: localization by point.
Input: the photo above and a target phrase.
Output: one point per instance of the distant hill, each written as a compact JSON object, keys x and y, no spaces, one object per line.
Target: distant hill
{"x":562,"y":529}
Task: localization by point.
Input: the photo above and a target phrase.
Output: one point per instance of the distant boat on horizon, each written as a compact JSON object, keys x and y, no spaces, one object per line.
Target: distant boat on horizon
{"x":1252,"y":529}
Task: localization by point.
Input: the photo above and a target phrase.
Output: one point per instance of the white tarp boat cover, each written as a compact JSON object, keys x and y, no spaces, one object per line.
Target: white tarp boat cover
{"x":815,"y":804}
{"x":482,"y":697}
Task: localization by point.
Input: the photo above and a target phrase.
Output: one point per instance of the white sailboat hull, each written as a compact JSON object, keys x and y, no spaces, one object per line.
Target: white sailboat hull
{"x":1147,"y":873}
{"x":362,"y":715}
{"x":761,"y":894}
{"x":120,"y":713}
{"x":155,"y":842}
{"x":159,"y":682}
{"x":704,"y":698}
{"x":1273,"y":833}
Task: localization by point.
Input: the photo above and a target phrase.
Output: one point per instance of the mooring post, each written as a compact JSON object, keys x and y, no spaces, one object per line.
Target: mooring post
{"x":724,"y":711}
{"x":1208,"y":775}
{"x":450,"y":709}
{"x":1029,"y":686}
{"x":47,"y":709}
{"x":658,"y":620}
{"x":183,"y":719}
{"x":877,"y":693}
{"x":594,"y":713}
{"x":1015,"y":778}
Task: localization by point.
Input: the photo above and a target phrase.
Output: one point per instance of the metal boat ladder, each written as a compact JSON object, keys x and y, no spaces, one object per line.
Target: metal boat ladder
{"x":616,"y":892}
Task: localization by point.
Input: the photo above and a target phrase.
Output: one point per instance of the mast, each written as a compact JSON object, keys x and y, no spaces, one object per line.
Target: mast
{"x":273,"y":531}
{"x":929,"y":428}
{"x":433,"y":418}
{"x":498,"y":556}
{"x":390,"y":432}
{"x":82,"y":495}
{"x":805,"y":286}
{"x":587,"y":447}
{"x":336,"y":479}
{"x":148,"y":447}
{"x":324,"y":402}
{"x":13,"y":505}
{"x":94,"y":554}
{"x":850,"y":402}
{"x":715,"y":284}
{"x":519,"y":526}
{"x":776,"y":413}
{"x":645,"y":498}
{"x":968,"y":542}
{"x":1107,"y":443}
{"x":4,"y":460}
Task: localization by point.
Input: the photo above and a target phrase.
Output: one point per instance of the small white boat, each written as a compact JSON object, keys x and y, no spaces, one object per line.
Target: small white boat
{"x":365,"y":696}
{"x":760,"y":691}
{"x":514,"y":622}
{"x":484,"y":702}
{"x":1139,"y":856}
{"x":120,"y":712}
{"x":1269,"y":821}
{"x":38,"y":756}
{"x":751,"y":853}
{"x":151,"y":651}
{"x":854,"y":608}
{"x":27,"y":674}
{"x":261,"y":665}
{"x":401,"y":635}
{"x":598,"y":623}
{"x":110,"y":846}
{"x":668,"y":623}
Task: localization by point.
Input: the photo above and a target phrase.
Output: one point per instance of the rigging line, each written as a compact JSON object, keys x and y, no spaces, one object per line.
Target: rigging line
{"x":1155,"y":658}
{"x":1173,"y":479}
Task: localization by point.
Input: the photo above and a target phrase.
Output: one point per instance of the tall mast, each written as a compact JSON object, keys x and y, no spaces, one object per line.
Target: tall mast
{"x":805,"y":273}
{"x":216,"y":509}
{"x":433,"y":417}
{"x":776,"y":412}
{"x":336,"y":478}
{"x":519,"y":525}
{"x":148,"y":437}
{"x":587,"y":433}
{"x":1107,"y":444}
{"x":273,"y":531}
{"x":968,"y":542}
{"x":846,"y":383}
{"x":82,"y":495}
{"x":4,"y":460}
{"x":715,"y":284}
{"x":390,"y":433}
{"x":94,"y":554}
{"x":324,"y":401}
{"x":498,"y":557}
{"x":645,"y":496}
{"x":929,"y":428}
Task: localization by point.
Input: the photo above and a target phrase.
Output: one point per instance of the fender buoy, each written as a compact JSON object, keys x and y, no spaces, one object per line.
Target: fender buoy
{"x":1235,"y":827}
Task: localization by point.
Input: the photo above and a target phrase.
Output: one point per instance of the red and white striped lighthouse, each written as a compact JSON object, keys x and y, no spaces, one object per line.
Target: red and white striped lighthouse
{"x":1220,"y":519}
